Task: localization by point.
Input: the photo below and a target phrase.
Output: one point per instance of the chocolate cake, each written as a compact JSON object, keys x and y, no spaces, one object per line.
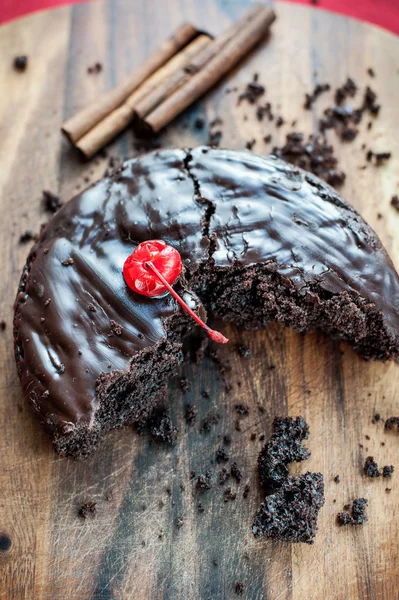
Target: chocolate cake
{"x":291,"y":513}
{"x":260,"y":241}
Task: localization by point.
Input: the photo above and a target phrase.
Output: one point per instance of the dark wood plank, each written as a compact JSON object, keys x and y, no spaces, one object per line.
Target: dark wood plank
{"x":120,"y":554}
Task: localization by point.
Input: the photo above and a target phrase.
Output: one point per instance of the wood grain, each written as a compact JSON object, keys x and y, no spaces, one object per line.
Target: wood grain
{"x":119,"y":555}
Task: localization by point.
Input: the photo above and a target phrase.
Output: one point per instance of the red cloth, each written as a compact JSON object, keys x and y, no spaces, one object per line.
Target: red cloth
{"x":384,"y":13}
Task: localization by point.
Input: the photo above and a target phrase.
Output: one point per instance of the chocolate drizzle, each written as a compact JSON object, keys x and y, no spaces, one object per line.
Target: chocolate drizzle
{"x":263,"y":211}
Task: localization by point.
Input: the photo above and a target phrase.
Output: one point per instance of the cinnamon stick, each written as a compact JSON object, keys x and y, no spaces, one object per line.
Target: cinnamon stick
{"x":150,"y":101}
{"x":104,"y":131}
{"x":85,"y":120}
{"x":230,"y":54}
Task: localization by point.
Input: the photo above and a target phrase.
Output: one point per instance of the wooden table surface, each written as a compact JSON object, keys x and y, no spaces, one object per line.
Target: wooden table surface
{"x":119,"y":554}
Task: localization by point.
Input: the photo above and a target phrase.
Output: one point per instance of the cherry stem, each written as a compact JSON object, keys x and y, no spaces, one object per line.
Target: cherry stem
{"x":216,"y":336}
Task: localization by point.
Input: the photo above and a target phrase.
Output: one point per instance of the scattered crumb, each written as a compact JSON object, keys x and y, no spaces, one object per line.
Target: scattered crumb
{"x":191,"y":414}
{"x":3,"y":325}
{"x":319,"y":89}
{"x":229,"y":495}
{"x":87,"y":510}
{"x":337,"y":479}
{"x":243,"y":351}
{"x":180,"y":522}
{"x":204,"y":482}
{"x":239,"y":588}
{"x":371,"y":468}
{"x":242,"y":409}
{"x":96,"y":68}
{"x":51,"y":202}
{"x":391,"y":423}
{"x":387,"y":471}
{"x":185,"y":384}
{"x":235,"y":472}
{"x":210,"y":421}
{"x":357,"y":516}
{"x":27,"y":236}
{"x":395,"y":202}
{"x":313,"y":154}
{"x":161,"y":427}
{"x":20,"y":63}
{"x":252,"y":93}
{"x":222,"y":455}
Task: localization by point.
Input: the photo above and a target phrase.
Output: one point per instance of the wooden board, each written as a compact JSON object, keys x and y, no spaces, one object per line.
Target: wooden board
{"x":119,"y":554}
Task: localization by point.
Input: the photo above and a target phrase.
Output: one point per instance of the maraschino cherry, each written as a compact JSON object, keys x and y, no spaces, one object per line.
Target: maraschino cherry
{"x":152,"y":269}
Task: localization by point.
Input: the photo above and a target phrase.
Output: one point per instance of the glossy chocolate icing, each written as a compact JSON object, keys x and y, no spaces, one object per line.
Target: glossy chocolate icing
{"x":260,"y":209}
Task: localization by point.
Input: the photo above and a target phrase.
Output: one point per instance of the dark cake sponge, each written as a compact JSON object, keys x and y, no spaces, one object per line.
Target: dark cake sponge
{"x":290,"y":514}
{"x":284,"y":447}
{"x":260,"y":241}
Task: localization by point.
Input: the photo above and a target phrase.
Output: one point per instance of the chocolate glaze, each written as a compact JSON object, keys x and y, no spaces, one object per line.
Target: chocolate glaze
{"x":261,"y":210}
{"x":267,"y":210}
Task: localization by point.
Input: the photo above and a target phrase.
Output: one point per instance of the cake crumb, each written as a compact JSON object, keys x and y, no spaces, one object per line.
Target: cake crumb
{"x":358,"y":514}
{"x":239,"y":588}
{"x":20,"y":63}
{"x":88,"y":509}
{"x":371,"y":468}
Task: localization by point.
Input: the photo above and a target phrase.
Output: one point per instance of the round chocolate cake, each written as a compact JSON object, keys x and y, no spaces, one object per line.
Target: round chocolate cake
{"x":260,"y":241}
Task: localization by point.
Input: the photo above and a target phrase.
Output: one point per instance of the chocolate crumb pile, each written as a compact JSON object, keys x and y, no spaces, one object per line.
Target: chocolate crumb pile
{"x":357,"y":516}
{"x":284,"y":447}
{"x":87,"y":510}
{"x":314,"y":154}
{"x":291,"y":513}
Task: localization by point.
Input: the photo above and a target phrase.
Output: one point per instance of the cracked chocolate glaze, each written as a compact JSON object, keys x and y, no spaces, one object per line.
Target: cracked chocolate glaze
{"x":268,"y":211}
{"x":76,"y":320}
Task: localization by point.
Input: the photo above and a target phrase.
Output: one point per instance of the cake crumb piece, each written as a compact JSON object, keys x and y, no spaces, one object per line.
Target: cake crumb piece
{"x":191,"y":413}
{"x":358,"y":514}
{"x":51,"y":202}
{"x":95,"y":68}
{"x":3,"y":325}
{"x":161,"y":427}
{"x":239,"y":588}
{"x":204,"y":481}
{"x":387,"y":471}
{"x":395,"y":202}
{"x":391,"y":423}
{"x":371,"y":468}
{"x":284,"y":447}
{"x":27,"y":236}
{"x":20,"y":63}
{"x":290,"y":514}
{"x":89,"y":509}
